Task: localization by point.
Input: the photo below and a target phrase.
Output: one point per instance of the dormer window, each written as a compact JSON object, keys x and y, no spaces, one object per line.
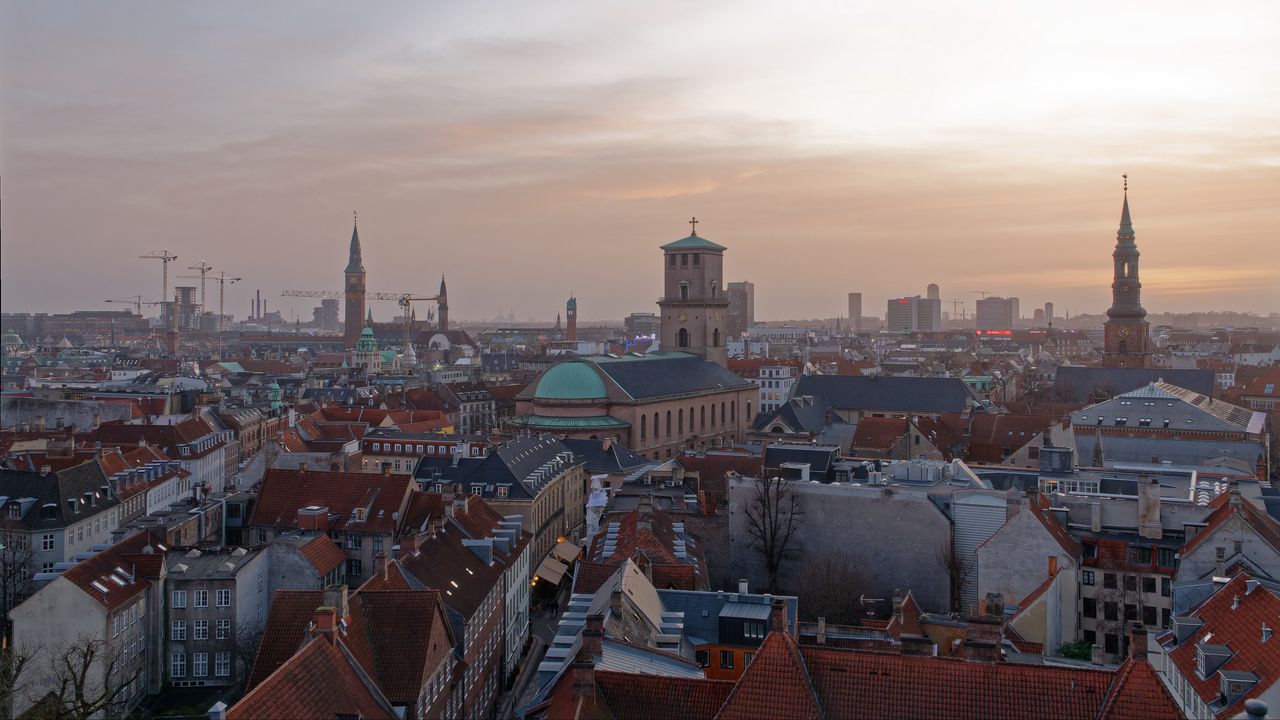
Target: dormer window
{"x":15,"y":510}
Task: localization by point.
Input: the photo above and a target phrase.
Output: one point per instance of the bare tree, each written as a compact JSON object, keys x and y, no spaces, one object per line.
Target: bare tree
{"x":15,"y":573}
{"x":958,"y":570}
{"x":247,"y":638}
{"x":84,"y":678}
{"x":830,"y":586}
{"x":773,"y":518}
{"x":13,"y":664}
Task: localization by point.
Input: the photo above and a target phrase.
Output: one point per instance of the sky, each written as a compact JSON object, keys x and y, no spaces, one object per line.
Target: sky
{"x":532,"y":150}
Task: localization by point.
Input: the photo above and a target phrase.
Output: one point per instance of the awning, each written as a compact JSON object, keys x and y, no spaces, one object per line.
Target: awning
{"x":551,"y":570}
{"x":566,"y":551}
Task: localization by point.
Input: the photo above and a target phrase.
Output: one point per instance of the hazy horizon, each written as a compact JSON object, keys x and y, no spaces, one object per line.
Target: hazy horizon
{"x":532,"y":151}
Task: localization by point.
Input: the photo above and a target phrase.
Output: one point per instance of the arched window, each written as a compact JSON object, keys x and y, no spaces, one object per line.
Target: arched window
{"x":721,"y":411}
{"x":683,"y":340}
{"x":1124,"y":346}
{"x":643,"y":418}
{"x":714,"y":287}
{"x":749,"y":411}
{"x":702,"y":417}
{"x":684,"y":291}
{"x":715,"y":338}
{"x":733,"y":411}
{"x":680,"y":420}
{"x":656,"y":426}
{"x":713,"y":414}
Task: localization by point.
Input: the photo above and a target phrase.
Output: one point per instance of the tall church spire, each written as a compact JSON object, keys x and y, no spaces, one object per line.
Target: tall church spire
{"x":1126,"y":225}
{"x":355,"y":264}
{"x":1127,"y":337}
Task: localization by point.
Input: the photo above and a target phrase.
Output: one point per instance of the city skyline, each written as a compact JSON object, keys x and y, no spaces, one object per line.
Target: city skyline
{"x":576,"y":142}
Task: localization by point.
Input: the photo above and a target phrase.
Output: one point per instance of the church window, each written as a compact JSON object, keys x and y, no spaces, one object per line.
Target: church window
{"x":684,"y":291}
{"x":668,"y":423}
{"x":642,"y":423}
{"x":721,"y":411}
{"x":680,"y":420}
{"x":703,"y":416}
{"x":684,"y":259}
{"x":715,"y":335}
{"x":655,"y":426}
{"x":684,"y":333}
{"x":697,"y":260}
{"x":748,"y":409}
{"x":714,"y":287}
{"x":672,"y":259}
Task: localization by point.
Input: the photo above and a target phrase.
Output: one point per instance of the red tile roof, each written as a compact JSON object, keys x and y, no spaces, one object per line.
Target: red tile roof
{"x":111,"y":577}
{"x":1240,"y":629}
{"x":323,"y":553}
{"x":290,"y":614}
{"x":654,"y":546}
{"x":875,"y":433}
{"x":283,"y":492}
{"x":775,"y":684}
{"x":321,"y":681}
{"x":398,"y":636}
{"x":634,"y":697}
{"x":1136,"y":693}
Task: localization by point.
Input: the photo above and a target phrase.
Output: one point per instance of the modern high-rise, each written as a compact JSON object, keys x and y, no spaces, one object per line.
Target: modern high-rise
{"x":995,"y":313}
{"x":693,"y":304}
{"x":913,"y":314}
{"x":742,"y":308}
{"x":855,"y":311}
{"x":1048,"y":312}
{"x":932,"y":292}
{"x":1014,"y":307}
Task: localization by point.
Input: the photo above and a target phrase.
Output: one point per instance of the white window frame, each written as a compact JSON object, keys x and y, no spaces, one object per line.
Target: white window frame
{"x":200,"y":598}
{"x":200,"y":664}
{"x":200,"y":630}
{"x":178,"y":599}
{"x":178,"y":665}
{"x":178,"y":630}
{"x":220,"y":595}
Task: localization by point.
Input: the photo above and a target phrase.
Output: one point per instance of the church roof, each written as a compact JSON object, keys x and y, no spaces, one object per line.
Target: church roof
{"x":354,"y":263}
{"x":571,"y":380}
{"x":693,"y":242}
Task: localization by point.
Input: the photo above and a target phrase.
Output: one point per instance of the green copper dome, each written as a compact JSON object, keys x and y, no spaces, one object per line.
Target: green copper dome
{"x":366,"y":343}
{"x":693,"y":242}
{"x":572,"y":380}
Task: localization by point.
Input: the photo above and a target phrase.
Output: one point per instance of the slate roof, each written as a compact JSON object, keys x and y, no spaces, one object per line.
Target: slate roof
{"x":56,"y":489}
{"x":707,"y":626}
{"x":617,"y":459}
{"x":665,"y":374}
{"x":819,"y":457}
{"x":800,"y":414}
{"x":1080,"y":384}
{"x":892,"y":394}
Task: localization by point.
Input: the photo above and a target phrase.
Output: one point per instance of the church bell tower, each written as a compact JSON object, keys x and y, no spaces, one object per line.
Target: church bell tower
{"x":1127,"y":341}
{"x":693,"y":305}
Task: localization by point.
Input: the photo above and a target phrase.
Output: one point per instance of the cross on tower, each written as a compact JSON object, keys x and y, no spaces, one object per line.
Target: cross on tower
{"x":693,"y":227}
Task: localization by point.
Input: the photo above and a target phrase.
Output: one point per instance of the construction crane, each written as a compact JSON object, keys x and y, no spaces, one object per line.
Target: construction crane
{"x":956,"y":305}
{"x":136,"y":301}
{"x":165,"y":258}
{"x":202,"y":268}
{"x":983,"y":293}
{"x":404,"y":300}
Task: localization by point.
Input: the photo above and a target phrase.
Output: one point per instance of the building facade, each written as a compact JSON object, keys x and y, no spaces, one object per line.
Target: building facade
{"x":694,"y":304}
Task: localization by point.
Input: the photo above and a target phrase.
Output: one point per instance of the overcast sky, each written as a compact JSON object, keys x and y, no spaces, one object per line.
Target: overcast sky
{"x":528,"y":150}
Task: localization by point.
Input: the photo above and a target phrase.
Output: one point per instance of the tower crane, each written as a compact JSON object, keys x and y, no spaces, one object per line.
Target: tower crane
{"x":136,"y":301}
{"x":404,"y":300}
{"x":165,"y":258}
{"x":956,"y":305}
{"x":202,"y":268}
{"x":983,"y":293}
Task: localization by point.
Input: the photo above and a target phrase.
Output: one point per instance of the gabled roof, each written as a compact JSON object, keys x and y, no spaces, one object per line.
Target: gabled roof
{"x":111,"y":577}
{"x":875,"y":433}
{"x":283,"y":492}
{"x":1230,"y":505}
{"x":635,"y":697}
{"x":1136,"y":693}
{"x":776,"y":682}
{"x":800,"y":414}
{"x":321,"y":680}
{"x":393,"y":634}
{"x":290,"y":614}
{"x":322,"y":553}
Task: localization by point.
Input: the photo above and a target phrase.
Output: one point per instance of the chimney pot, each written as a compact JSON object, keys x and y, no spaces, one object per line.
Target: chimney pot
{"x":1138,"y":641}
{"x":326,"y":623}
{"x":778,"y":615}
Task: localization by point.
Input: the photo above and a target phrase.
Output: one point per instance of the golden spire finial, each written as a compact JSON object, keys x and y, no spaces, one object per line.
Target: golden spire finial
{"x":1126,"y":183}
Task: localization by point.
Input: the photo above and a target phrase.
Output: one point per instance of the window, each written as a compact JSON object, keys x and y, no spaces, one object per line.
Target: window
{"x":46,"y":542}
{"x":200,"y":630}
{"x":354,"y":541}
{"x":223,"y":629}
{"x":684,"y":258}
{"x":1109,"y":581}
{"x":377,"y":543}
{"x":222,"y":664}
{"x":683,"y":335}
{"x":224,"y":598}
{"x":1111,"y":643}
{"x":643,"y":425}
{"x":178,"y":665}
{"x":178,"y":630}
{"x":1091,"y":637}
{"x":703,"y":658}
{"x":1165,"y":557}
{"x":1086,"y":577}
{"x":753,"y":630}
{"x":697,"y":259}
{"x":1131,"y":583}
{"x":179,"y":598}
{"x":1149,"y":615}
{"x":1090,"y":608}
{"x":200,"y":599}
{"x":355,"y":568}
{"x":1166,"y":587}
{"x":1110,"y":611}
{"x":477,"y":489}
{"x":1149,"y":585}
{"x":502,"y":491}
{"x":726,"y":659}
{"x":199,"y":664}
{"x":747,"y":658}
{"x":1130,"y":612}
{"x":1140,"y":555}
{"x":672,"y":259}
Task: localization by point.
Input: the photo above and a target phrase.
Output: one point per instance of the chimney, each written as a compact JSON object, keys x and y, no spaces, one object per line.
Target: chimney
{"x":335,"y":597}
{"x":742,"y":586}
{"x":778,"y":615}
{"x":917,"y":645}
{"x":1013,"y":503}
{"x":1149,"y":508}
{"x":583,"y":671}
{"x":325,"y":623}
{"x":822,"y":630}
{"x":897,"y":604}
{"x":381,"y":561}
{"x":606,"y":444}
{"x":1095,"y":516}
{"x":1138,"y":641}
{"x":593,"y":634}
{"x":982,"y":636}
{"x":1053,"y":565}
{"x":408,"y":546}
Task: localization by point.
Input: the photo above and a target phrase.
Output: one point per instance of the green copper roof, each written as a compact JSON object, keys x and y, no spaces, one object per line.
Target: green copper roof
{"x":572,"y":304}
{"x":572,"y":380}
{"x":693,"y":242}
{"x":568,"y":423}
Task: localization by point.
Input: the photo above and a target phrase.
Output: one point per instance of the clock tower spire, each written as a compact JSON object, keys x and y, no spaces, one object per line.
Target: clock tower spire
{"x":693,"y":304}
{"x":1127,"y":336}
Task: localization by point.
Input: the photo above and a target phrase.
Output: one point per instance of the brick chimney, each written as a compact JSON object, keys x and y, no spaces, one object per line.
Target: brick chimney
{"x":408,"y":546}
{"x":982,"y":639}
{"x":381,"y":561}
{"x":335,"y":596}
{"x":325,"y":623}
{"x":593,"y":634}
{"x":778,"y":615}
{"x":583,"y":671}
{"x":1138,"y":641}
